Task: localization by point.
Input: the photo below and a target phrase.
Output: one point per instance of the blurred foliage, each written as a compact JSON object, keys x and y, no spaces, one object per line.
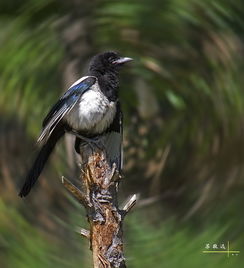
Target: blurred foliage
{"x":183,"y":104}
{"x":161,"y":244}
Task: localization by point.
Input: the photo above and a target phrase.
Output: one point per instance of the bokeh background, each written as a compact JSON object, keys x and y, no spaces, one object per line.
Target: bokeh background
{"x":183,"y":103}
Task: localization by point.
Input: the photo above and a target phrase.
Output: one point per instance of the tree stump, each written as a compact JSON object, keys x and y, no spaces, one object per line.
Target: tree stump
{"x":99,"y":196}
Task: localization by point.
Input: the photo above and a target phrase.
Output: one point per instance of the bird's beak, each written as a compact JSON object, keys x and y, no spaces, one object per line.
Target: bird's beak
{"x":122,"y":60}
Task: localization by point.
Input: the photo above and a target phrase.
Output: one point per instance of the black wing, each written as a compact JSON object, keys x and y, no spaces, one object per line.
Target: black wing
{"x":113,"y":140}
{"x":64,"y":105}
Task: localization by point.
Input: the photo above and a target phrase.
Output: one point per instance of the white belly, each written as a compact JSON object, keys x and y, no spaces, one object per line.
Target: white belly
{"x":93,"y":113}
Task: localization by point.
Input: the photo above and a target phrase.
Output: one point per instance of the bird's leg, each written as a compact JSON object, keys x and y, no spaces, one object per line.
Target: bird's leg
{"x":91,"y":141}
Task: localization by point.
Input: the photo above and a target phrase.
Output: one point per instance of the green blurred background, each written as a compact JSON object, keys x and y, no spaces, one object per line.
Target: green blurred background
{"x":183,"y":102}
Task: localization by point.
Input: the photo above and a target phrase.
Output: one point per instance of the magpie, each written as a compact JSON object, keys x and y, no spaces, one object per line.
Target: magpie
{"x":88,"y":109}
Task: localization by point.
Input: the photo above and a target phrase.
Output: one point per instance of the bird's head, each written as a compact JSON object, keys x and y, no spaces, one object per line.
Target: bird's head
{"x":107,"y":62}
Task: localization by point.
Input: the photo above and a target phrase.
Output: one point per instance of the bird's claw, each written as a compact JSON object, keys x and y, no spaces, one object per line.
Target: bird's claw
{"x":96,"y":141}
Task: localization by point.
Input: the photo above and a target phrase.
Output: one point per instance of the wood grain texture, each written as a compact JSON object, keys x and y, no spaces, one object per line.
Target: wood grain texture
{"x":99,"y":195}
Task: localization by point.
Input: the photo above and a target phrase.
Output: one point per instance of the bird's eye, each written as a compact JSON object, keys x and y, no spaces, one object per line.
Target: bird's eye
{"x":111,"y":58}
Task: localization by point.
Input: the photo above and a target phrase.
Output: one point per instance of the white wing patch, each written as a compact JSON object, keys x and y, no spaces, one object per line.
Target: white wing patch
{"x":78,"y":81}
{"x":48,"y":129}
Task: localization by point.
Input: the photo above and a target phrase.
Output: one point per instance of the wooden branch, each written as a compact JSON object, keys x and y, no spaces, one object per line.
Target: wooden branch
{"x":85,"y":233}
{"x":99,"y":195}
{"x":129,"y":204}
{"x":75,"y":192}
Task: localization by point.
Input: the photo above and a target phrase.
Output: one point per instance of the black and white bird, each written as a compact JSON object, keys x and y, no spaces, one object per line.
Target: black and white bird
{"x":89,"y":108}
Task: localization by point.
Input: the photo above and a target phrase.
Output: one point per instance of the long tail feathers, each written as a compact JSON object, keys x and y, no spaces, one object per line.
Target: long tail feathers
{"x":41,"y":160}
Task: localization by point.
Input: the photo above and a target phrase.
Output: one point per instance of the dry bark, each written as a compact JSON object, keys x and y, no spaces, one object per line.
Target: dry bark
{"x":99,"y":196}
